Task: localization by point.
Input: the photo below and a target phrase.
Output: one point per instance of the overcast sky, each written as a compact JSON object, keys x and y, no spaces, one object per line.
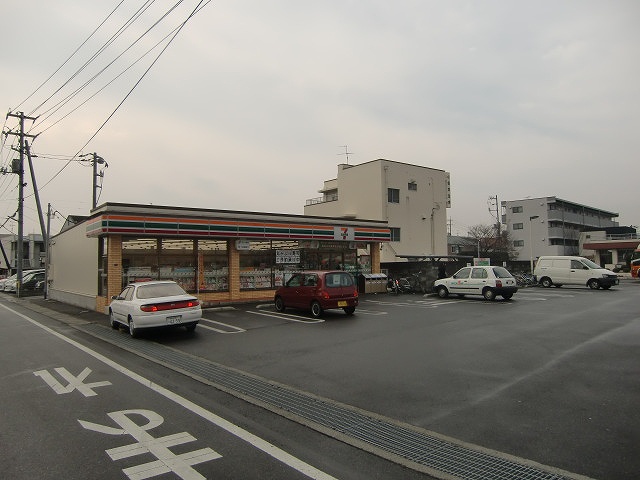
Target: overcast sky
{"x":251,"y":104}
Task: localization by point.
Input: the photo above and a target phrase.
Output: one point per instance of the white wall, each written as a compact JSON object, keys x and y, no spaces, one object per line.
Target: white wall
{"x":421,"y":214}
{"x":73,"y":268}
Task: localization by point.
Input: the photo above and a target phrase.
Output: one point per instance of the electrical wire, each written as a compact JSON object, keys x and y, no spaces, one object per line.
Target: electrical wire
{"x":197,"y":9}
{"x":169,"y":38}
{"x":102,"y":49}
{"x":68,"y":59}
{"x":109,"y":83}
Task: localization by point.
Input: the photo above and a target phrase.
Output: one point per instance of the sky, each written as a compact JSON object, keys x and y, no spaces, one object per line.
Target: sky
{"x":248,"y":104}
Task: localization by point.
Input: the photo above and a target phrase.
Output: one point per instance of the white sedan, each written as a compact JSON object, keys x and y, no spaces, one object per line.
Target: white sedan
{"x":487,"y":281}
{"x":150,"y":304}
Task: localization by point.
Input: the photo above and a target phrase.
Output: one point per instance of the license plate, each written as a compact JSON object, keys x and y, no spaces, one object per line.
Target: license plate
{"x":342,"y":304}
{"x":174,"y":319}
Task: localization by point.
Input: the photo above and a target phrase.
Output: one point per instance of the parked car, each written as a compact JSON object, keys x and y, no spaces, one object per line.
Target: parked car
{"x":8,"y":279}
{"x":317,"y":291}
{"x":33,"y":283}
{"x":570,"y":270}
{"x":10,"y":283}
{"x":151,"y":304}
{"x":488,"y":281}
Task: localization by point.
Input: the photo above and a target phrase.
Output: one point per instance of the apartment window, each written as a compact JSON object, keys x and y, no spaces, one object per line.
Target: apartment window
{"x":518,"y":243}
{"x":413,"y":186}
{"x":395,"y":234}
{"x":517,"y":209}
{"x":393,"y":195}
{"x":518,"y":226}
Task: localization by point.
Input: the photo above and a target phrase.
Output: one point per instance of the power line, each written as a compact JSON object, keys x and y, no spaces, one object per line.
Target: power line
{"x":67,"y":60}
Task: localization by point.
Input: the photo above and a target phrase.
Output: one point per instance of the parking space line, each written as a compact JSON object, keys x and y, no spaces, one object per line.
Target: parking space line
{"x":232,"y":328}
{"x":286,"y":316}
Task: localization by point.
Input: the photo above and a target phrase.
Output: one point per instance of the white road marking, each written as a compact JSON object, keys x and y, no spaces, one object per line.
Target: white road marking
{"x":232,"y":328}
{"x":74,"y":383}
{"x":167,"y":461}
{"x":257,"y":442}
{"x":287,"y":316}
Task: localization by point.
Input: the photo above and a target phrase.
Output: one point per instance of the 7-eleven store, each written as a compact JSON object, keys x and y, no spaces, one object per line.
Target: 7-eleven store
{"x":221,"y":256}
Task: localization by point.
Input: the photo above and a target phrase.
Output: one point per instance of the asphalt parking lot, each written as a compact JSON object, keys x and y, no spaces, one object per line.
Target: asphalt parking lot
{"x":550,"y":376}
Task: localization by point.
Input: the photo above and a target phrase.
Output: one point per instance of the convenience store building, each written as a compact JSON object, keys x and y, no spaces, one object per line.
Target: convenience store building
{"x":220,"y":256}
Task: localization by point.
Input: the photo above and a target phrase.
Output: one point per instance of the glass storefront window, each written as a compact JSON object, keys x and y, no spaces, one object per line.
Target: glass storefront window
{"x":256,"y":264}
{"x":287,"y":260}
{"x":213,"y":266}
{"x":203,"y":265}
{"x":139,"y":259}
{"x":177,"y":262}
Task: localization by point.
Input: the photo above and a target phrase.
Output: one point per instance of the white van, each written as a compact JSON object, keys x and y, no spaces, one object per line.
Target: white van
{"x":567,"y":270}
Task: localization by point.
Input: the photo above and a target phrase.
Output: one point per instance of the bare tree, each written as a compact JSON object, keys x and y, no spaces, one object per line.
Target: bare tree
{"x":499,"y":248}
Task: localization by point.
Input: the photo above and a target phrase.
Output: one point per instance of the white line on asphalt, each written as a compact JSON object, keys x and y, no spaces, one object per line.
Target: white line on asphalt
{"x":232,"y":328}
{"x":268,"y":448}
{"x":286,"y":316}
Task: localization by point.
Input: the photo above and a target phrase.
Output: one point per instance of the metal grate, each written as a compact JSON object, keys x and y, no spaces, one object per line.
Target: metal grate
{"x":354,"y":426}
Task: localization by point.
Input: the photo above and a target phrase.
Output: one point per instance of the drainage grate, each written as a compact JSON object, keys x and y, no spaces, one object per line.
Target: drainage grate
{"x":420,"y":450}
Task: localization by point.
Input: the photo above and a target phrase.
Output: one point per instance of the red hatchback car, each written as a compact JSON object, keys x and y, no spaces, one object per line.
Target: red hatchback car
{"x":318,"y":291}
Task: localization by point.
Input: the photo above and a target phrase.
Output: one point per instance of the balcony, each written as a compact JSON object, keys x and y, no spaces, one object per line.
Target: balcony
{"x":323,"y":199}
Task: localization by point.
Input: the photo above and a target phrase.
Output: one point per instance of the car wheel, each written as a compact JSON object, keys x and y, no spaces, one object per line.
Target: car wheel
{"x":112,"y":320}
{"x":316,"y":310}
{"x":279,"y":304}
{"x":443,"y":292}
{"x":349,"y":310}
{"x":546,"y":282}
{"x":488,"y":294}
{"x":133,"y":331}
{"x":190,"y":326}
{"x":593,"y":284}
{"x":507,"y":296}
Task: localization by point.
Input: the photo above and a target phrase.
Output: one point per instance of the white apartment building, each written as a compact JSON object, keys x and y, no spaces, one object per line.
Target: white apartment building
{"x":550,"y":225}
{"x":33,"y":251}
{"x":412,"y":199}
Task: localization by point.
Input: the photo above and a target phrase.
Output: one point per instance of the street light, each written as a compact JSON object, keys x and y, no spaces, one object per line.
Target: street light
{"x":531,"y":218}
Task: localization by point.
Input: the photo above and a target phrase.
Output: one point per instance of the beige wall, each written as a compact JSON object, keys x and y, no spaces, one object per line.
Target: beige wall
{"x":73,"y":267}
{"x":421,"y":215}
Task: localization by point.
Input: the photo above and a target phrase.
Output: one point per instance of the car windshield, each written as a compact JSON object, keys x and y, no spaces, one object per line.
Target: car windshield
{"x":159,"y":290}
{"x":590,"y":264}
{"x":501,"y":272}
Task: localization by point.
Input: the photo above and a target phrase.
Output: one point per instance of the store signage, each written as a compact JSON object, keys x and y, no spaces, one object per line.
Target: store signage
{"x":288,"y":256}
{"x":344,"y":233}
{"x":242,"y":244}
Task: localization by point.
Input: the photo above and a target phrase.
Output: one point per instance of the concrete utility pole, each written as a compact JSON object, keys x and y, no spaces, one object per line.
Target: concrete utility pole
{"x":95,"y":160}
{"x":497,"y":214}
{"x":18,"y":167}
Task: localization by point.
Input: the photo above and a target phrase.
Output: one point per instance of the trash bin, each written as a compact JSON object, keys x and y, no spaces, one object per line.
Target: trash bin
{"x":372,"y":283}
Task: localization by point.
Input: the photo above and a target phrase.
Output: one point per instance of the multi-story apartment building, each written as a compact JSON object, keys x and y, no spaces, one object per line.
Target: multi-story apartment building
{"x":550,"y":225}
{"x":33,"y":251}
{"x":411,"y":198}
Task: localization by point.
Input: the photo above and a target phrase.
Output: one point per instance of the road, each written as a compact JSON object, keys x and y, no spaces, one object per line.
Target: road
{"x":547,"y":380}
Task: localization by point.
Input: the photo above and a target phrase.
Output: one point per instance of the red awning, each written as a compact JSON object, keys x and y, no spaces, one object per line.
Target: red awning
{"x":621,"y":244}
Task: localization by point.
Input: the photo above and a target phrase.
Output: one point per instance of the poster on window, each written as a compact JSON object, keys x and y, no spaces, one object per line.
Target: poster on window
{"x":288,"y":256}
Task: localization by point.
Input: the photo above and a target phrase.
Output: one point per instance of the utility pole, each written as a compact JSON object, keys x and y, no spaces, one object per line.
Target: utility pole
{"x":35,"y":191}
{"x":19,"y":169}
{"x":95,"y":160}
{"x":497,"y":212}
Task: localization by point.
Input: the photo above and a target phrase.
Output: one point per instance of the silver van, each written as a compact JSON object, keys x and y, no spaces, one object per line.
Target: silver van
{"x":569,"y":270}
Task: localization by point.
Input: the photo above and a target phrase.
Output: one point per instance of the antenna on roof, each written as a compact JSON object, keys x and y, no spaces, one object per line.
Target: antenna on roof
{"x":346,"y":152}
